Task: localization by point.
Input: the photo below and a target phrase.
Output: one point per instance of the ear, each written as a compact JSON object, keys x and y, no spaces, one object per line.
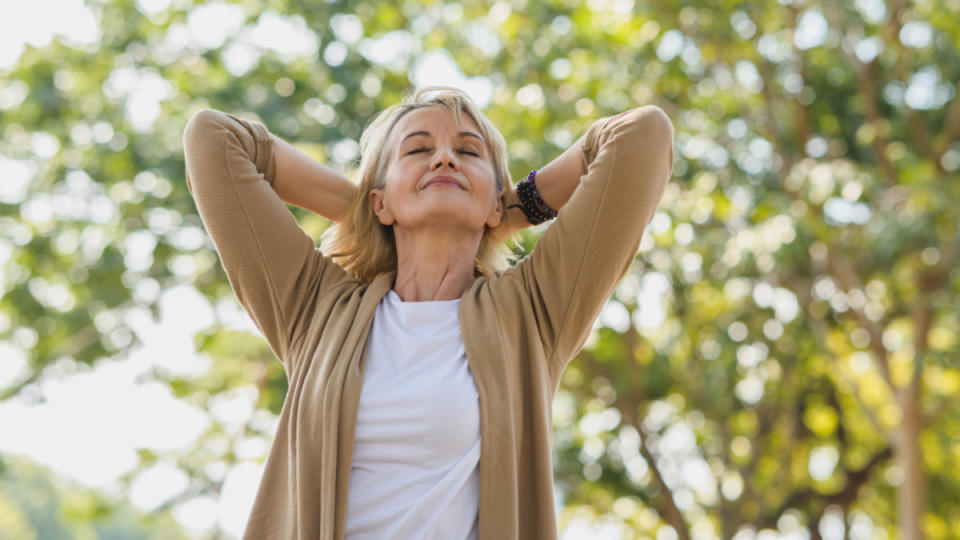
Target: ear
{"x":496,"y":213}
{"x":379,"y":206}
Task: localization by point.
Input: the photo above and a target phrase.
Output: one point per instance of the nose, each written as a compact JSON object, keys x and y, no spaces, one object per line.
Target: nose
{"x":445,"y":157}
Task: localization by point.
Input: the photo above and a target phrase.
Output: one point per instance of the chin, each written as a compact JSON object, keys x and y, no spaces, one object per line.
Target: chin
{"x":450,"y":217}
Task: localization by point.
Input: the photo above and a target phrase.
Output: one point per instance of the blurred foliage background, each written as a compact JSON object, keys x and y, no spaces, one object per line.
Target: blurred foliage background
{"x":781,"y":361}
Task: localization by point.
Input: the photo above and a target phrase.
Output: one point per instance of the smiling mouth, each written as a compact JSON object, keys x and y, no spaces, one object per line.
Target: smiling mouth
{"x":443,"y":181}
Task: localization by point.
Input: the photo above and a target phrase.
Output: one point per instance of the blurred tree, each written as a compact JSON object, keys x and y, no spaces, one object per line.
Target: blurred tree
{"x":38,"y":505}
{"x":783,"y":354}
{"x":806,"y":337}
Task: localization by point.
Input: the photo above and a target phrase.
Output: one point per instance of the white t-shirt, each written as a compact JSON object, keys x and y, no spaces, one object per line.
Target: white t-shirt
{"x":417,"y":443}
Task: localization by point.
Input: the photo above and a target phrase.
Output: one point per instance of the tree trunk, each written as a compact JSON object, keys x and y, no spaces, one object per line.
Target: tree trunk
{"x":909,"y":457}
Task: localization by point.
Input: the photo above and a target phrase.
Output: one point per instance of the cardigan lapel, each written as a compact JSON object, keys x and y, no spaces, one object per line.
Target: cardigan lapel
{"x":350,"y":396}
{"x":497,"y":515}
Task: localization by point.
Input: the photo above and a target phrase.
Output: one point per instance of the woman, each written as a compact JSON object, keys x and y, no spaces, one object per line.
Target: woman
{"x":421,"y":367}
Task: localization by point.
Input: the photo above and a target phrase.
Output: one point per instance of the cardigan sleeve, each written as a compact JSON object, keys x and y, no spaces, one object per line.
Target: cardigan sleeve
{"x":272,"y":265}
{"x":589,"y":247}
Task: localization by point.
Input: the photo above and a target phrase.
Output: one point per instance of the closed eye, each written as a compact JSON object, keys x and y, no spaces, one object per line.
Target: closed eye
{"x":470,"y":152}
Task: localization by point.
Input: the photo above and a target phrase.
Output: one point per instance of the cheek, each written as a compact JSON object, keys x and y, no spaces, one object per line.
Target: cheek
{"x":398,"y":176}
{"x":482,"y":169}
{"x":490,"y":178}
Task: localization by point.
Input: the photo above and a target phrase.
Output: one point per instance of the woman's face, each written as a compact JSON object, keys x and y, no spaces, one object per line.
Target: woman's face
{"x":438,"y":174}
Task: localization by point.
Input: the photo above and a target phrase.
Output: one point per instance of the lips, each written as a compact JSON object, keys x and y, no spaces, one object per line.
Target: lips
{"x":443,"y":180}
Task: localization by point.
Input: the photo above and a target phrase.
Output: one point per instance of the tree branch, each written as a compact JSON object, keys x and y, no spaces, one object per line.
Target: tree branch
{"x":844,"y":272}
{"x":73,"y":345}
{"x":867,"y":409}
{"x":928,"y":281}
{"x":915,"y":123}
{"x":820,"y":330}
{"x":668,"y":508}
{"x":628,"y":405}
{"x":922,"y":317}
{"x":848,"y":278}
{"x":855,"y":479}
{"x":801,"y":112}
{"x":869,"y":91}
{"x":865,"y":84}
{"x":939,"y":275}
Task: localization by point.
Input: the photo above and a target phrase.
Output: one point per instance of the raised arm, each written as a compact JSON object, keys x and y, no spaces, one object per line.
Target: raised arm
{"x":627,"y":159}
{"x":302,"y":181}
{"x":273,"y":266}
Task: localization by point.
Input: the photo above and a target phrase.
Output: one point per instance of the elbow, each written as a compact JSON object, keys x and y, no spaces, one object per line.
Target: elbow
{"x":200,"y":124}
{"x":655,"y":119}
{"x":660,"y":125}
{"x":644,"y":132}
{"x":652,"y":132}
{"x":208,"y":130}
{"x":199,"y":140}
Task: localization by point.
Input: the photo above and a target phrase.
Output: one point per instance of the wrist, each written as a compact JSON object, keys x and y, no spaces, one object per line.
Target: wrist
{"x":531,"y":203}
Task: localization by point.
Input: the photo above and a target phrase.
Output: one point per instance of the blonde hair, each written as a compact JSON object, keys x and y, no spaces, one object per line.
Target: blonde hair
{"x":365,"y":247}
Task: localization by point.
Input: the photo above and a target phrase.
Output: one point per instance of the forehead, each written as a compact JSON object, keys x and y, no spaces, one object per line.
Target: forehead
{"x":434,"y":120}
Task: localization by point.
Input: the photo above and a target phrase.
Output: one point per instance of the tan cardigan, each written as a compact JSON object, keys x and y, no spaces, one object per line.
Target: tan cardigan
{"x":520,"y":328}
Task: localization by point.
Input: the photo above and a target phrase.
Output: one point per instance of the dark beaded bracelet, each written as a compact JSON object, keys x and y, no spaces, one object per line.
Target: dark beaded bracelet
{"x":533,"y":206}
{"x":536,"y":196}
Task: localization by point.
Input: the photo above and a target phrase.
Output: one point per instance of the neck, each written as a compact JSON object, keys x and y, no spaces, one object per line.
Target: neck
{"x":434,"y":264}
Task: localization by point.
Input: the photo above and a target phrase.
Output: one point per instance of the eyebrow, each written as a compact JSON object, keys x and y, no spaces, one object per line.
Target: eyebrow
{"x":427,"y":133}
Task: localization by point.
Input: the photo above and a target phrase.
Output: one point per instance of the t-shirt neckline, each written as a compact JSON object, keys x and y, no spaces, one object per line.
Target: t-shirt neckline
{"x":395,"y":298}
